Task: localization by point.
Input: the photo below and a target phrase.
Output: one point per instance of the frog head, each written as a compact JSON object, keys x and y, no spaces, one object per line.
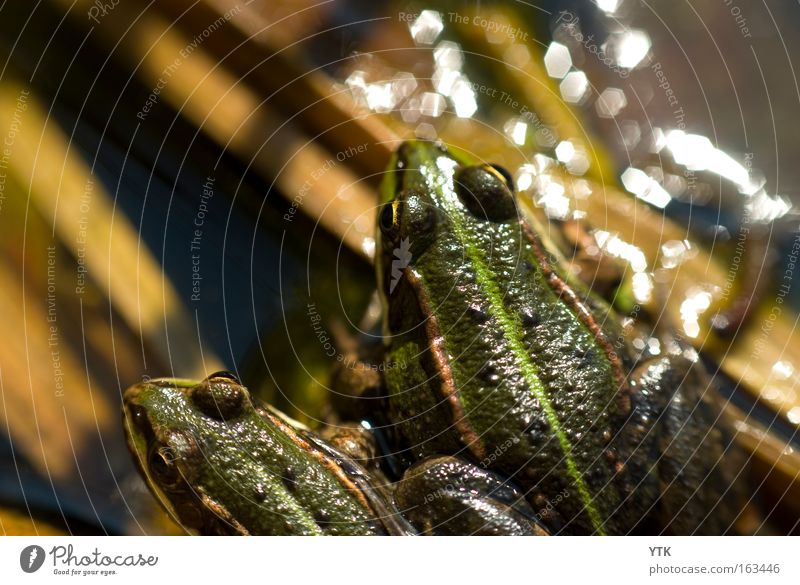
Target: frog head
{"x":164,"y":420}
{"x":219,"y":463}
{"x":431,"y":196}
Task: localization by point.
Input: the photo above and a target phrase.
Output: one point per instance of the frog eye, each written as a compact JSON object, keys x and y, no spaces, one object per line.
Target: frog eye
{"x":225,"y":375}
{"x":161,"y":463}
{"x":486,"y":192}
{"x":408,"y":222}
{"x":220,"y":396}
{"x":507,"y":178}
{"x":386,"y":220}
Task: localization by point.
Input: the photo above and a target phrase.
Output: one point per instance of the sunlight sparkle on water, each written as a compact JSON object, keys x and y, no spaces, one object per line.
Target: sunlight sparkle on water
{"x":444,"y":79}
{"x":615,"y":246}
{"x":557,"y":60}
{"x":629,"y":47}
{"x":427,"y":27}
{"x":432,"y":104}
{"x":368,"y":246}
{"x":642,"y":285}
{"x":608,"y":6}
{"x":696,"y":303}
{"x":463,"y":98}
{"x":765,"y":208}
{"x":675,"y":252}
{"x":565,"y":151}
{"x":610,"y":102}
{"x":516,"y":130}
{"x":550,"y":197}
{"x":697,"y":153}
{"x":403,"y":84}
{"x":574,"y":86}
{"x":782,"y":370}
{"x":645,"y":187}
{"x":448,"y":54}
{"x":526,"y":174}
{"x":380,"y":97}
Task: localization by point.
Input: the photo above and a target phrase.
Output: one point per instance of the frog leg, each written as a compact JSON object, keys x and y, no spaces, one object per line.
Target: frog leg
{"x":449,"y":496}
{"x":353,"y":440}
{"x":357,"y":372}
{"x":220,"y":522}
{"x":680,"y":463}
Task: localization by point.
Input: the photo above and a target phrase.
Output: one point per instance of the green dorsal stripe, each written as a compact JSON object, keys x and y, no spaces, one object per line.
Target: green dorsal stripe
{"x":514,"y":334}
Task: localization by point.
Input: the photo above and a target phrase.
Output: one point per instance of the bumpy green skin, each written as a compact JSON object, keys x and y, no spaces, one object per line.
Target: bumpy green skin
{"x":681,"y":454}
{"x":238,"y":469}
{"x":486,"y":358}
{"x":444,"y":496}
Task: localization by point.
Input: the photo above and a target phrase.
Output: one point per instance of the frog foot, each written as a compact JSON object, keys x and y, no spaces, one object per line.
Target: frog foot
{"x":356,"y":380}
{"x":445,"y":496}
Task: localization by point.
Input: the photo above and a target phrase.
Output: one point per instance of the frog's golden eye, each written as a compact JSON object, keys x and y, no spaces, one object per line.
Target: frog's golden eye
{"x":486,"y":192}
{"x":161,"y":462}
{"x":388,"y":217}
{"x":503,"y":172}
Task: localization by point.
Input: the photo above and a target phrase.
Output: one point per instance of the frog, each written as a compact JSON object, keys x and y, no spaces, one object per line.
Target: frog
{"x":507,"y":390}
{"x":222,"y":463}
{"x":493,"y":355}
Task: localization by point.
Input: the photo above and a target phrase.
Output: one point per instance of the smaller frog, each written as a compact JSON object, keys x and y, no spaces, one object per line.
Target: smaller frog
{"x":220,"y":464}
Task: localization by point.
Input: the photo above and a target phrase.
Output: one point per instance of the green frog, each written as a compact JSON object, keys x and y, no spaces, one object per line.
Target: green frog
{"x":510,"y":392}
{"x":493,"y":355}
{"x":222,"y":464}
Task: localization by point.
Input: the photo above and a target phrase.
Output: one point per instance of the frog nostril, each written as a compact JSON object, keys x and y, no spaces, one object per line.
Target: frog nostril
{"x":138,"y":416}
